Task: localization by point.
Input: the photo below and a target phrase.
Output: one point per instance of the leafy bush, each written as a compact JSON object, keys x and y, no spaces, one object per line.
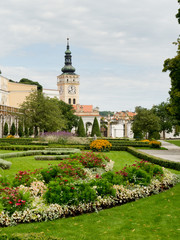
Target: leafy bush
{"x":100,"y":145}
{"x":69,"y":194}
{"x":67,"y":168}
{"x":113,"y":178}
{"x":13,"y":199}
{"x":103,"y":187}
{"x":25,"y":178}
{"x":91,"y":160}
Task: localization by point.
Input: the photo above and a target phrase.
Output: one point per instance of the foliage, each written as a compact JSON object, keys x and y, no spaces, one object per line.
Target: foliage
{"x":13,"y":199}
{"x":100,"y":145}
{"x":173,"y":66}
{"x":27,"y":81}
{"x":81,"y":130}
{"x":91,"y":160}
{"x":145,"y":122}
{"x":20,"y":129}
{"x":95,"y":128}
{"x":5,"y":130}
{"x":166,"y":119}
{"x":9,"y":137}
{"x":42,"y":113}
{"x":68,"y":114}
{"x":13,"y":129}
{"x":155,"y":144}
{"x":153,"y":159}
{"x":106,"y":113}
{"x":69,"y":194}
{"x":25,"y":178}
{"x":103,"y":187}
{"x":60,"y":137}
{"x":28,"y":236}
{"x":26,"y":131}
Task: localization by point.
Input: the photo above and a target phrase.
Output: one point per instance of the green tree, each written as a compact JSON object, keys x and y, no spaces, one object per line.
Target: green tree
{"x":145,"y":123}
{"x":20,"y":129}
{"x":68,"y":114}
{"x":26,"y":131}
{"x":13,"y":129}
{"x":27,"y":81}
{"x":5,"y":130}
{"x":95,"y":128}
{"x":42,"y":113}
{"x":31,"y":130}
{"x":166,"y":119}
{"x":81,"y":129}
{"x":173,"y":66}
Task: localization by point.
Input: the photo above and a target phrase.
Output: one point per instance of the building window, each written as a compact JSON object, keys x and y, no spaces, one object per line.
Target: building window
{"x":74,"y":101}
{"x":69,"y":100}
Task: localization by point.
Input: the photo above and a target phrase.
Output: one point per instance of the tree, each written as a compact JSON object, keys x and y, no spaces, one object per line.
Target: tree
{"x":26,"y":131}
{"x":5,"y":130}
{"x":13,"y":129}
{"x":42,"y":113}
{"x":173,"y":66}
{"x":31,"y":130}
{"x":68,"y":114}
{"x":81,"y":130}
{"x":145,"y":123}
{"x":20,"y":129}
{"x":95,"y":128}
{"x":166,"y":119}
{"x":27,"y":81}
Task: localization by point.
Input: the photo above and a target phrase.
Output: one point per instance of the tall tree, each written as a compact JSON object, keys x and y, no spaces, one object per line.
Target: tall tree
{"x":95,"y":128}
{"x":145,"y":123}
{"x":42,"y":113}
{"x":173,"y":66}
{"x":5,"y":130}
{"x":81,"y":130}
{"x":166,"y":119}
{"x":68,"y":114}
{"x":20,"y":129}
{"x":13,"y":129}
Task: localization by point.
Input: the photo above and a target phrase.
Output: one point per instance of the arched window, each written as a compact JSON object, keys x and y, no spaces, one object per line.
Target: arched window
{"x":74,"y":101}
{"x":69,"y":100}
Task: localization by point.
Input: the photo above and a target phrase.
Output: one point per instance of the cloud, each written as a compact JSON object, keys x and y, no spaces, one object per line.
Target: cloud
{"x":118,"y":46}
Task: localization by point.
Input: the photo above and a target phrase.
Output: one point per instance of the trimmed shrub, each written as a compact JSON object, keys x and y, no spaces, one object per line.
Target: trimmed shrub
{"x":155,"y":144}
{"x":81,"y":130}
{"x":5,"y":130}
{"x":13,"y":129}
{"x":49,"y":158}
{"x":95,"y":128}
{"x":20,"y":130}
{"x":156,"y":160}
{"x":5,"y":164}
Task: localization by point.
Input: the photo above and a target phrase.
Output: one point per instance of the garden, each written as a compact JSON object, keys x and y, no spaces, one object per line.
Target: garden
{"x":54,"y":183}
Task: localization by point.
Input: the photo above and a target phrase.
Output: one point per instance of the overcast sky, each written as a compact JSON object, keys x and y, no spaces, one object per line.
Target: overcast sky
{"x":118,"y":47}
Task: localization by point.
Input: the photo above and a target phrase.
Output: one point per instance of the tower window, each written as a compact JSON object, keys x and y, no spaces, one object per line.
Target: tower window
{"x":74,"y":101}
{"x":69,"y":100}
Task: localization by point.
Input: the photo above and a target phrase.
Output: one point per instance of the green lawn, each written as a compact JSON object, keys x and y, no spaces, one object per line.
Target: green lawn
{"x":155,"y":217}
{"x":176,"y":142}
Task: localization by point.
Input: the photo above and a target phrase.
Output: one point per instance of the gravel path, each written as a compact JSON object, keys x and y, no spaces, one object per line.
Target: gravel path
{"x":172,"y":154}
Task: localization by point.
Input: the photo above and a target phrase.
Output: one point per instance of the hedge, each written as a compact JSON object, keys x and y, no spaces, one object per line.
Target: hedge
{"x":153,"y":159}
{"x":22,"y":148}
{"x":49,"y":158}
{"x":5,"y":164}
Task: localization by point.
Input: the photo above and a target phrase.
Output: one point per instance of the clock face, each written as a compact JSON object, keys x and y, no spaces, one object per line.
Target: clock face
{"x":72,"y":89}
{"x":61,"y":89}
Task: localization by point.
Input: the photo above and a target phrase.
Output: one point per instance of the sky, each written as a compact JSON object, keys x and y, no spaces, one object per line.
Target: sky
{"x":118,"y":47}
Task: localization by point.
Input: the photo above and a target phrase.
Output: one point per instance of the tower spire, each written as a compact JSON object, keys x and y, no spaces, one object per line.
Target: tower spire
{"x":68,"y":68}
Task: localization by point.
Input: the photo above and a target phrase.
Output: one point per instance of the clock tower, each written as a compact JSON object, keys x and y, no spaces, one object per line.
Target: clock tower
{"x":68,"y":81}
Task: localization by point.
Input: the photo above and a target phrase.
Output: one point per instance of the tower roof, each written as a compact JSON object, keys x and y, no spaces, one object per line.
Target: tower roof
{"x":68,"y":68}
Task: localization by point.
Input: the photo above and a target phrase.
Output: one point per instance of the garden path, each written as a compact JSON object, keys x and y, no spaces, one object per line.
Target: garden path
{"x":172,"y":154}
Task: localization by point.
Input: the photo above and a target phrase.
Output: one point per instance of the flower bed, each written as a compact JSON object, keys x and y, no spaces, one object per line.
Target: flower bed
{"x":80,"y":184}
{"x":100,"y":145}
